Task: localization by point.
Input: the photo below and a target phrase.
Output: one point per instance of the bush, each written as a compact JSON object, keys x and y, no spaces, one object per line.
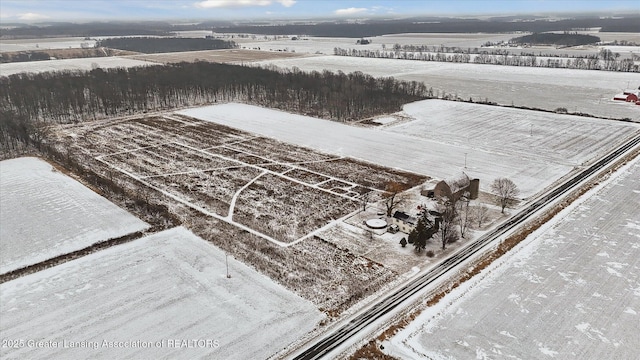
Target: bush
{"x":403,"y":242}
{"x":431,"y":254}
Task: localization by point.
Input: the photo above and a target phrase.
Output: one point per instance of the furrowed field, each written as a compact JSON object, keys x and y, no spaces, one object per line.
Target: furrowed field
{"x":170,"y":286}
{"x":46,"y":213}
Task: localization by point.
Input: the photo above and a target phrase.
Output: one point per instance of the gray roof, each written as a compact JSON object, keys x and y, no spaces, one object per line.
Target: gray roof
{"x":404,"y":217}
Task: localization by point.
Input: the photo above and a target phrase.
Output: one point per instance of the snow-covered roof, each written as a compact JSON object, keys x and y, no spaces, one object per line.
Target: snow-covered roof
{"x":457,"y":182}
{"x":404,"y":217}
{"x":430,"y":184}
{"x":620,"y":97}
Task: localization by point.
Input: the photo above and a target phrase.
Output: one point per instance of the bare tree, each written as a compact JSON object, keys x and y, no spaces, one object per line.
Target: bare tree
{"x":395,"y":198}
{"x":464,"y":213}
{"x":482,"y":213}
{"x":364,"y":199}
{"x":506,"y":192}
{"x":448,"y":219}
{"x":40,"y":131}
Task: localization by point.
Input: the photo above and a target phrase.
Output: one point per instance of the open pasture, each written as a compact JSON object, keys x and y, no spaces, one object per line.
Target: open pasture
{"x":276,"y":190}
{"x":168,"y":286}
{"x":45,"y":213}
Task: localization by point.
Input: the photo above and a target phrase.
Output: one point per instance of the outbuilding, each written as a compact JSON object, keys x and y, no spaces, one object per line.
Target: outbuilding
{"x":452,"y":188}
{"x":628,"y":96}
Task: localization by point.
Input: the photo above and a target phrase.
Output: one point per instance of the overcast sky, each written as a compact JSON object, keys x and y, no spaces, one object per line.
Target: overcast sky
{"x":85,"y":10}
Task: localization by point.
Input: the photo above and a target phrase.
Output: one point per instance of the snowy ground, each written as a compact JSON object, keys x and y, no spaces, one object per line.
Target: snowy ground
{"x":167,"y":287}
{"x":527,"y":159}
{"x":572,"y":291}
{"x":84,"y":64}
{"x":45,"y":213}
{"x":587,"y":91}
{"x":528,"y":135}
{"x":384,"y":247}
{"x":44,"y":43}
{"x":464,"y":41}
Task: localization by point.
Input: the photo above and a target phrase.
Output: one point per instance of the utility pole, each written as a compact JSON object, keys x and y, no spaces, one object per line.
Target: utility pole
{"x":465,"y":160}
{"x":226,"y":257}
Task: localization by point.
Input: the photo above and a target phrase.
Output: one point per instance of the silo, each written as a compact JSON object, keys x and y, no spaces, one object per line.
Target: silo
{"x":474,"y":188}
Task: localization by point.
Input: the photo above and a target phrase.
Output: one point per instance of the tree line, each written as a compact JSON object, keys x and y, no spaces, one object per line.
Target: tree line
{"x":564,"y":39}
{"x":151,"y":45}
{"x":53,"y":54}
{"x":29,"y":102}
{"x":605,"y":60}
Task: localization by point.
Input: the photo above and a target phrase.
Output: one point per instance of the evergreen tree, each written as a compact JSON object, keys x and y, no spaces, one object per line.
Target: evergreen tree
{"x":422,"y":233}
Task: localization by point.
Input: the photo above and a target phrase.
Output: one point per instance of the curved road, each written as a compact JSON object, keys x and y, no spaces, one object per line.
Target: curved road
{"x":392,"y":301}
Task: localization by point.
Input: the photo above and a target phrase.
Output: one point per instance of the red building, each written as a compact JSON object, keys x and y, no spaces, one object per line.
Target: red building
{"x":628,"y":96}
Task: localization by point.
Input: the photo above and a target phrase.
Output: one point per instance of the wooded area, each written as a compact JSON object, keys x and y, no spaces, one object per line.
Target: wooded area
{"x":29,"y":102}
{"x":565,"y":39}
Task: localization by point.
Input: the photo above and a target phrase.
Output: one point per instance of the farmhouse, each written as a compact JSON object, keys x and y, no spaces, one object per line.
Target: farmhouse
{"x":452,"y":188}
{"x":403,"y":221}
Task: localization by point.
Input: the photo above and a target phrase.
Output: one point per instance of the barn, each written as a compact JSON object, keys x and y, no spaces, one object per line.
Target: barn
{"x":628,"y":96}
{"x":452,"y":188}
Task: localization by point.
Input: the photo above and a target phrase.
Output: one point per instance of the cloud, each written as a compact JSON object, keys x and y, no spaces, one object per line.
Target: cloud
{"x":350,"y":11}
{"x":206,"y":4}
{"x":32,"y":16}
{"x":287,"y":3}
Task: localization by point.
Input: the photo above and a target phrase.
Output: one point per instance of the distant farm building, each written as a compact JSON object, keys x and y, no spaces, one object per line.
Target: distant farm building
{"x":628,"y":96}
{"x":453,"y":188}
{"x":403,"y":221}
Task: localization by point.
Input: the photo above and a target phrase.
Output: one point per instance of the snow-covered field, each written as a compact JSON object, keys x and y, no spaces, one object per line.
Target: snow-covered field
{"x":435,"y":149}
{"x":326,"y":45}
{"x":44,"y":43}
{"x":572,"y":291}
{"x":45,"y":213}
{"x":84,"y":64}
{"x":587,"y":91}
{"x":528,"y":135}
{"x":168,"y":291}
